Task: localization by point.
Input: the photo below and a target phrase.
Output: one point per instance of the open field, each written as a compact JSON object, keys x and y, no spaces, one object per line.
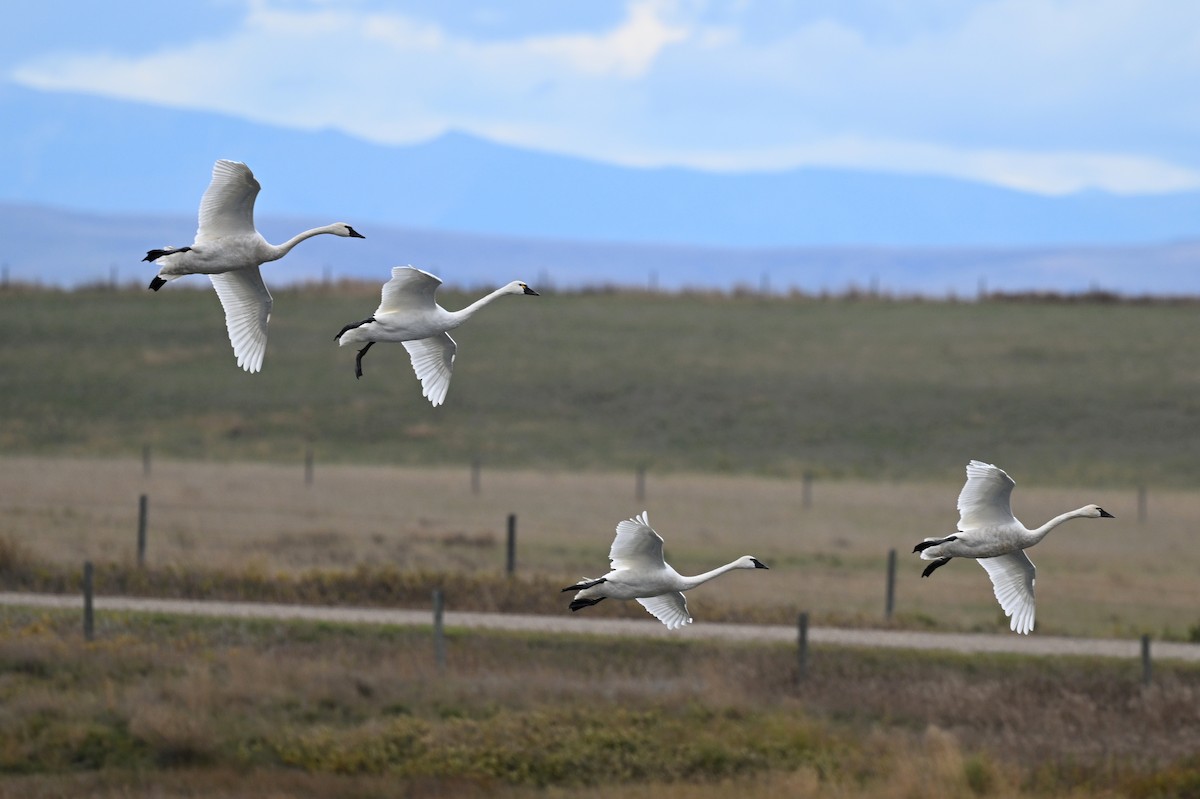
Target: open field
{"x":1066,"y":393}
{"x":168,"y":706}
{"x":392,"y":526}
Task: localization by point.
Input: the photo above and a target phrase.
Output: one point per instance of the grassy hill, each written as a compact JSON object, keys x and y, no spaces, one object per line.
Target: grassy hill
{"x":1068,"y":392}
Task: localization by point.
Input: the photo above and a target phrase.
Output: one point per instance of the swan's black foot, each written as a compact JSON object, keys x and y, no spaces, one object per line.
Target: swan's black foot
{"x":157,"y":283}
{"x":351,"y":326}
{"x":937,"y":564}
{"x":924,"y":545}
{"x":585,"y":584}
{"x":358,"y":360}
{"x":576,"y":604}
{"x":154,"y":255}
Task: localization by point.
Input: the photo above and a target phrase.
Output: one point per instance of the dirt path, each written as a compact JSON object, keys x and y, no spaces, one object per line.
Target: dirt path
{"x":887,"y":639}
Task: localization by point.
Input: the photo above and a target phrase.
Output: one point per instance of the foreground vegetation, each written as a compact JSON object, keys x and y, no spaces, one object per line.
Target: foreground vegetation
{"x":188,"y":707}
{"x":1091,"y":392}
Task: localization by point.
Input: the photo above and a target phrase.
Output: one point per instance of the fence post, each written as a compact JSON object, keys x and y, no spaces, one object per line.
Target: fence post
{"x":639,"y":489}
{"x":145,"y":460}
{"x":1141,"y":502}
{"x":439,"y":632}
{"x":143,"y":513}
{"x":511,"y":562}
{"x":1147,"y":669}
{"x":308,"y":466}
{"x":890,"y":604}
{"x":476,"y":467}
{"x":89,"y":620}
{"x":802,"y":649}
{"x":806,"y":494}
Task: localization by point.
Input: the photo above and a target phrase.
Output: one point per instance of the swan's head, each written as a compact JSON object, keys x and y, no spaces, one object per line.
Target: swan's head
{"x":344,"y":230}
{"x":749,"y":562}
{"x":517,"y":287}
{"x":1095,"y":512}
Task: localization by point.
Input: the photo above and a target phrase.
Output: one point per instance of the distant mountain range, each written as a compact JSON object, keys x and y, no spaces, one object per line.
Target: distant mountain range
{"x":94,"y":154}
{"x":69,"y":248}
{"x":90,"y":184}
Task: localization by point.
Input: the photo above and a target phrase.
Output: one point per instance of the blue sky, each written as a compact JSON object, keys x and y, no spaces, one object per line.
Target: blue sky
{"x":1048,"y":96}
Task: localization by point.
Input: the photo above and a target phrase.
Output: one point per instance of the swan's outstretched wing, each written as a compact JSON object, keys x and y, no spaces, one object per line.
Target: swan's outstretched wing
{"x":1012,"y":580}
{"x":433,"y":361}
{"x":409,"y":289}
{"x":247,"y":305}
{"x":986,"y":497}
{"x":637,"y":546}
{"x":670,"y":609}
{"x":227,"y":207}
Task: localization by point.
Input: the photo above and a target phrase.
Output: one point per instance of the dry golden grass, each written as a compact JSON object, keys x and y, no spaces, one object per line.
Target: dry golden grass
{"x":171,"y":707}
{"x":1110,"y":577}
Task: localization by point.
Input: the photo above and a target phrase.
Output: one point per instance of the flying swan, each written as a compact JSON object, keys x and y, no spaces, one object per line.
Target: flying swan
{"x":988,"y":532}
{"x":409,"y":314}
{"x":229,"y":250}
{"x":639,"y":572}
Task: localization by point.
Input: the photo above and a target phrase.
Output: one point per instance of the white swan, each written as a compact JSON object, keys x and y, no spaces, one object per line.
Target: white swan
{"x":409,"y":314}
{"x":229,"y":250}
{"x":639,"y":572}
{"x":988,"y":532}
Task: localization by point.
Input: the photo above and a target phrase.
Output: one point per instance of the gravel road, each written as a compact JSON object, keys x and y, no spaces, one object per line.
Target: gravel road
{"x":578,"y":624}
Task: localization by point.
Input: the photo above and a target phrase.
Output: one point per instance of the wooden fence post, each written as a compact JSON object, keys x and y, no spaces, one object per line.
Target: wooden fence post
{"x":1147,"y":667}
{"x":143,"y":513}
{"x":890,"y":604}
{"x":802,"y":648}
{"x":439,"y":632}
{"x":511,"y":561}
{"x":89,"y":620}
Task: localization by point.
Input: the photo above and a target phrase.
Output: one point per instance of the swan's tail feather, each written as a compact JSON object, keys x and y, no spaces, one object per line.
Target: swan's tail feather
{"x":576,"y":604}
{"x":932,"y":542}
{"x":154,"y":255}
{"x":584,"y":584}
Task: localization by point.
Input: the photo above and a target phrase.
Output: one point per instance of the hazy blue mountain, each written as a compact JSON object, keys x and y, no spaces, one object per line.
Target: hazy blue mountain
{"x":93,"y":154}
{"x":68,"y":248}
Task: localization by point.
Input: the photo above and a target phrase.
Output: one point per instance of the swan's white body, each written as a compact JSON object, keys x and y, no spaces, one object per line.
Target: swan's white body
{"x":639,"y":572}
{"x":408,"y":313}
{"x":229,"y":250}
{"x":988,"y":532}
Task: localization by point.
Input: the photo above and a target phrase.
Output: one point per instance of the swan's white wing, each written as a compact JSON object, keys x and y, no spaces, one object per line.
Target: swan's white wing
{"x":227,"y":207}
{"x":637,"y":546}
{"x":409,"y":289}
{"x":985,"y":499}
{"x":433,"y":361}
{"x":1012,"y":580}
{"x":670,"y":609}
{"x":247,"y":305}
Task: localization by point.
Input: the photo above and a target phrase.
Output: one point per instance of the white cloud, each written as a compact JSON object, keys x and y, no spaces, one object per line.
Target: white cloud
{"x":1040,"y":95}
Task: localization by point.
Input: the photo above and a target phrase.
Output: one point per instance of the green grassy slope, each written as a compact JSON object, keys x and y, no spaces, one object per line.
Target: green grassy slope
{"x":1073,"y":392}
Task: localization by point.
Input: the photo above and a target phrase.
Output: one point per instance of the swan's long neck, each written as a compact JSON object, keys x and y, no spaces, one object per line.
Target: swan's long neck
{"x":1040,"y":533}
{"x":277,"y":251}
{"x":699,"y":579}
{"x":460,"y":316}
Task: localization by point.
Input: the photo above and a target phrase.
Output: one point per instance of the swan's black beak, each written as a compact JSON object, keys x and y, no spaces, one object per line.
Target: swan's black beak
{"x":758,"y":564}
{"x":530,"y":291}
{"x":1106,"y":515}
{"x":354,"y":234}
